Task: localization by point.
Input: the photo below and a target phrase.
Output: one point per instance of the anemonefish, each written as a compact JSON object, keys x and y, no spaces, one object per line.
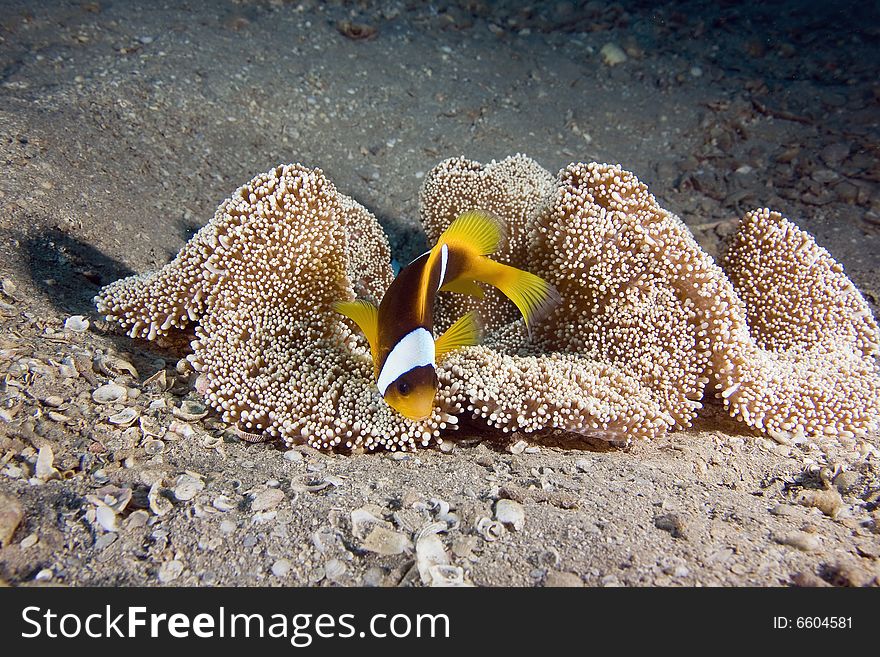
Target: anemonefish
{"x":399,"y":331}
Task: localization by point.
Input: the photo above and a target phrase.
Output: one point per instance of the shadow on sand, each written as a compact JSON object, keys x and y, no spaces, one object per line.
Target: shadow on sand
{"x":68,"y":271}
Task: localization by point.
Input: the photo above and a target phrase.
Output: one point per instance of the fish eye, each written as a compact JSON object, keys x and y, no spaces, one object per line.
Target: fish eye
{"x":403,"y":388}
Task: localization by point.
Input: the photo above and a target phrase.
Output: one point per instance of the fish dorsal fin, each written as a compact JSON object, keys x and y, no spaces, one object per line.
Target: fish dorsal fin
{"x":366,"y":316}
{"x":465,"y":332}
{"x":476,"y":231}
{"x":464,"y":286}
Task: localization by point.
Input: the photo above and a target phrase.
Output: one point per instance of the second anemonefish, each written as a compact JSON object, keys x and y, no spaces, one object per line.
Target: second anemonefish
{"x":399,"y":331}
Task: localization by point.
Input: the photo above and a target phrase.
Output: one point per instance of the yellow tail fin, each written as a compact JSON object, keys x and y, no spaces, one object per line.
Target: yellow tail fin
{"x":464,"y":285}
{"x":465,"y":332}
{"x":366,"y":316}
{"x":535,"y":297}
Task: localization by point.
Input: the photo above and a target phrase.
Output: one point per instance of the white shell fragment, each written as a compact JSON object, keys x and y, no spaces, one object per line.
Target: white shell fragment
{"x":153,"y":446}
{"x":612,"y":54}
{"x":489,"y":529}
{"x":159,"y":504}
{"x":170,"y":571}
{"x":430,"y":552}
{"x":159,"y":381}
{"x":201,"y":384}
{"x":187,"y":487}
{"x":518,"y":447}
{"x":29,"y":541}
{"x":189,"y":411}
{"x":361,"y":520}
{"x":76,"y":323}
{"x":223,"y":503}
{"x":67,"y":368}
{"x":386,"y":542}
{"x":124,"y":417}
{"x":510,"y":513}
{"x":45,"y":470}
{"x":150,"y":427}
{"x":106,"y":517}
{"x":334,"y":570}
{"x":315,"y":486}
{"x":281,"y":568}
{"x":113,"y":366}
{"x":110,"y":393}
{"x":448,"y":576}
{"x":115,"y":497}
{"x":182,"y":429}
{"x":267,"y":499}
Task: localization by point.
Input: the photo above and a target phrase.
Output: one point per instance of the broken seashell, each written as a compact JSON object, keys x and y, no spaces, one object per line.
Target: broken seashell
{"x":106,"y":517}
{"x":441,"y":505}
{"x":250,"y":437}
{"x":110,"y":393}
{"x":113,"y":365}
{"x":386,"y":542}
{"x":445,"y":575}
{"x":159,"y":381}
{"x":334,"y":570}
{"x":356,"y":31}
{"x":137,"y":519}
{"x":361,"y":520}
{"x":315,"y":486}
{"x":223,"y":503}
{"x":76,"y":323}
{"x":430,"y":528}
{"x":150,"y":427}
{"x":489,"y":529}
{"x":181,"y":429}
{"x":159,"y":504}
{"x":518,"y":447}
{"x":201,"y":384}
{"x":187,"y":487}
{"x":124,"y":417}
{"x":510,"y":513}
{"x":212,"y":442}
{"x":189,"y":411}
{"x":267,"y":499}
{"x":153,"y":447}
{"x":115,"y":497}
{"x":45,"y":470}
{"x":67,"y":368}
{"x":430,"y":552}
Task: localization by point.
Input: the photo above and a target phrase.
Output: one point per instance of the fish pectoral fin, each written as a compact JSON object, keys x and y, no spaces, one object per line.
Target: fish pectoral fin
{"x":533,"y":296}
{"x":465,"y":332}
{"x":464,"y":285}
{"x":365,"y":315}
{"x":475,"y":231}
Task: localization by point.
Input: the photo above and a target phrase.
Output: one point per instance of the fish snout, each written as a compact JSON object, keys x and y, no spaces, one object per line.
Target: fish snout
{"x":412,"y":394}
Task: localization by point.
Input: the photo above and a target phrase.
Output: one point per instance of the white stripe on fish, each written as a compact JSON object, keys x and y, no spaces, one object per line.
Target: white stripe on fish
{"x":444,"y":257}
{"x":415,"y":349}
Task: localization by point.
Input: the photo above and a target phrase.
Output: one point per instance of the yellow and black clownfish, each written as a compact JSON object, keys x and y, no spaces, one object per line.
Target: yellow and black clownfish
{"x":399,"y":331}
